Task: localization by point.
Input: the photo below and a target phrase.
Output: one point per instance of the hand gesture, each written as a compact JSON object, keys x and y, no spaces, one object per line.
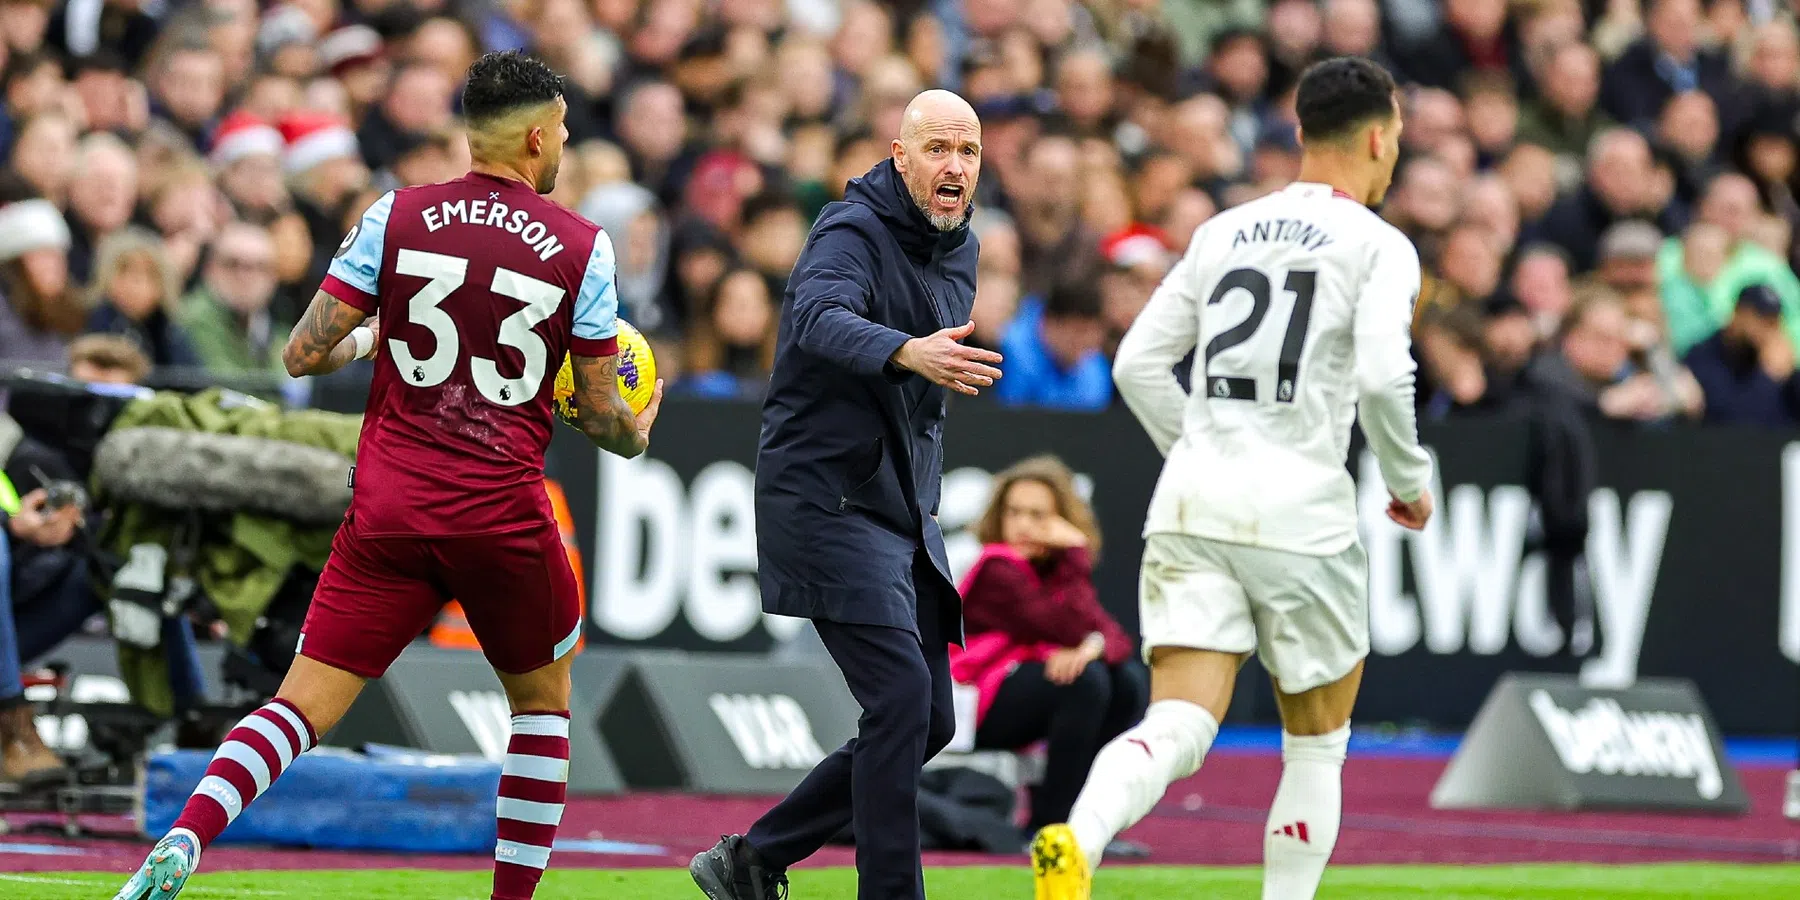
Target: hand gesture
{"x":1061,"y":534}
{"x":1777,"y":355}
{"x":1412,"y":515}
{"x":37,"y":523}
{"x":945,"y":362}
{"x":1067,"y":664}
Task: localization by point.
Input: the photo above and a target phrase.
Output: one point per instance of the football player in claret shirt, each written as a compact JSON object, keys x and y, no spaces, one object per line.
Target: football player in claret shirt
{"x":468,"y":295}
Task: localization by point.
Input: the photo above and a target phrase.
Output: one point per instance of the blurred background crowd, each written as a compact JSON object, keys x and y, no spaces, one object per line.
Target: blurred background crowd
{"x":1602,"y":191}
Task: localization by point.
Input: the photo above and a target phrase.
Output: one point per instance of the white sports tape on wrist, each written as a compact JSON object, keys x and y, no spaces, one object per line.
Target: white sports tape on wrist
{"x":365,"y":341}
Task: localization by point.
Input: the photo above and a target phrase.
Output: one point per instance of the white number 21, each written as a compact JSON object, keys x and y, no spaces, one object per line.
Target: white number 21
{"x":446,"y":274}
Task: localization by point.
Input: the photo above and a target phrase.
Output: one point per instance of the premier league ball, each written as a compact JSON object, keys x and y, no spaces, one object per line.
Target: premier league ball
{"x":637,"y":375}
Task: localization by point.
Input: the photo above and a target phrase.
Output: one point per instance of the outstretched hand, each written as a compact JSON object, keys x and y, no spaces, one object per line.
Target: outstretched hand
{"x":944,"y":360}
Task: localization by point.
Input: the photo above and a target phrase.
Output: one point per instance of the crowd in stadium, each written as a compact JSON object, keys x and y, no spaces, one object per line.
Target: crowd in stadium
{"x":1603,"y":194}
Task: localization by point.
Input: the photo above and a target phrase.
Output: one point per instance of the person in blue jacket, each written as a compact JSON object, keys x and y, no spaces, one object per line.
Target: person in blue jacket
{"x":1053,"y":356}
{"x":847,"y":483}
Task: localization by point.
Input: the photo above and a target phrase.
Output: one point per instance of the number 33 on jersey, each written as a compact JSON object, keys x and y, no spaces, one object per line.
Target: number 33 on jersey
{"x":483,"y":288}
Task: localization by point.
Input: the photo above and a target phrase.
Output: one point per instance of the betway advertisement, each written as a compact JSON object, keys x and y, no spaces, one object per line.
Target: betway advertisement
{"x":1693,"y":555}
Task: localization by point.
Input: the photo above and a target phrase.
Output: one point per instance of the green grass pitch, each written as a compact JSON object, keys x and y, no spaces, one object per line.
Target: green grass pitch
{"x":1532,"y":882}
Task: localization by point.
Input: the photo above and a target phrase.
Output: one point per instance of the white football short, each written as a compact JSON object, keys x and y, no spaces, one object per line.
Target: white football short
{"x":1307,"y":617}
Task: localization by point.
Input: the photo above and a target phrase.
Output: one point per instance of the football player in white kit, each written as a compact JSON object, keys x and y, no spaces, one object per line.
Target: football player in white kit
{"x":1298,"y":308}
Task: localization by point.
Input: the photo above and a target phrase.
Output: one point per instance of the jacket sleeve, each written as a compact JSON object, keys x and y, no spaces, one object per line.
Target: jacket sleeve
{"x":832,"y":298}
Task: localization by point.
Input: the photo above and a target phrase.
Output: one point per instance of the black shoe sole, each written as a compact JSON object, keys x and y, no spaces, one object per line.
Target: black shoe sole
{"x":712,"y":872}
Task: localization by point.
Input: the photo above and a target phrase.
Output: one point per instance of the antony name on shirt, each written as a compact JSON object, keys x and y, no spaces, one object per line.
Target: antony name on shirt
{"x":494,"y":214}
{"x":1295,"y":231}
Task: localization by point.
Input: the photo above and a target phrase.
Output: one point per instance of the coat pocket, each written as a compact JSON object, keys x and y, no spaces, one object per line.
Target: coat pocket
{"x":867,"y":469}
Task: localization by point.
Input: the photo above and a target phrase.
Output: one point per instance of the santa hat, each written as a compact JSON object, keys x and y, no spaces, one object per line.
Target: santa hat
{"x":242,"y":134}
{"x":31,"y":225}
{"x":348,"y":46}
{"x":314,"y":138}
{"x":1135,"y":245}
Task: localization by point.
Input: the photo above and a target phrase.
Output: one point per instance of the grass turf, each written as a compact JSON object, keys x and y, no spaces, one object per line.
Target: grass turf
{"x":1536,"y":882}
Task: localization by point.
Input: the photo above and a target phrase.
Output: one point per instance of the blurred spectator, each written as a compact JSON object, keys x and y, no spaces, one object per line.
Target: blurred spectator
{"x":1747,"y":369}
{"x":1564,"y":119}
{"x":774,"y":232}
{"x":135,"y":293}
{"x":1668,"y":60}
{"x":1493,"y":106}
{"x":1618,"y":176}
{"x":187,"y":210}
{"x":1470,"y":263}
{"x":355,"y":55}
{"x":1767,"y":152}
{"x":416,"y":103}
{"x":731,"y":344}
{"x":631,"y":217}
{"x":24,"y":760}
{"x":107,"y":359}
{"x":1592,"y":364}
{"x":1137,"y":258}
{"x":1703,"y":274}
{"x":325,"y":170}
{"x":1423,"y":202}
{"x":228,"y":318}
{"x":111,"y":100}
{"x":1052,"y":351}
{"x":246,"y":153}
{"x":1056,"y":247}
{"x":1530,"y":172}
{"x":1046,"y":658}
{"x":42,"y":311}
{"x":187,"y":87}
{"x":103,"y":194}
{"x":1474,"y":36}
{"x":1540,"y":284}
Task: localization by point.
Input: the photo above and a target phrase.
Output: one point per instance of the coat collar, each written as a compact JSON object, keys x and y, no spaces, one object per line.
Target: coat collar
{"x":883,"y":190}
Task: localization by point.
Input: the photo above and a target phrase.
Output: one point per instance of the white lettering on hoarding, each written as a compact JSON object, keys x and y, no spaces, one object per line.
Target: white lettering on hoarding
{"x":1602,"y":737}
{"x":1475,"y":584}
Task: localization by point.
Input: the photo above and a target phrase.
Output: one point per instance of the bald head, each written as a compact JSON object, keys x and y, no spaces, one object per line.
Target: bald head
{"x":938,"y":155}
{"x":936,"y":107}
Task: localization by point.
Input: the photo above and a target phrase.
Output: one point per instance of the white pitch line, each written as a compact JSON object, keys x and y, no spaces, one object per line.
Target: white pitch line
{"x":44,"y":879}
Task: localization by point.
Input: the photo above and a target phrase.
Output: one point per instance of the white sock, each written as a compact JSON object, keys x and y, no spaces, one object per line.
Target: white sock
{"x":1130,"y":773}
{"x":1303,"y":820}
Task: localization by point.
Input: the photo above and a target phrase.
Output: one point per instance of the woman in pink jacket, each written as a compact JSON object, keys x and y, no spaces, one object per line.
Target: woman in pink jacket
{"x":1049,"y":663}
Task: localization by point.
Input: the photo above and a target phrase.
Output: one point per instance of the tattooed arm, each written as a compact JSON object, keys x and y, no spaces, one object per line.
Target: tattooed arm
{"x":603,"y":415}
{"x":322,"y":343}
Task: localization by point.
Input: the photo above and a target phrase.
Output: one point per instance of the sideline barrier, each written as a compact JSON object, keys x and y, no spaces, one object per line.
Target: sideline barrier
{"x":1546,"y":742}
{"x":725,"y":724}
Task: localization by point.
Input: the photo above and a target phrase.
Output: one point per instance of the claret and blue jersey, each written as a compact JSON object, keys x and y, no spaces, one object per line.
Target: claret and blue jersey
{"x":482,"y":287}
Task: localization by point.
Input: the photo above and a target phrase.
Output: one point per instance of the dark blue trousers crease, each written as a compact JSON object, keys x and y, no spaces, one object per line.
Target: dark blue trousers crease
{"x":903,"y":685}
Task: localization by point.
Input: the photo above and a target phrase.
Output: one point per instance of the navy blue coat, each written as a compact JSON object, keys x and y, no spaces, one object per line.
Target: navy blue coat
{"x":850,"y":458}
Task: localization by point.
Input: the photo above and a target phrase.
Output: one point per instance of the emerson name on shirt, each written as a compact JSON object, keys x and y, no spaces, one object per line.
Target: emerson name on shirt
{"x":494,"y":214}
{"x":1289,"y":231}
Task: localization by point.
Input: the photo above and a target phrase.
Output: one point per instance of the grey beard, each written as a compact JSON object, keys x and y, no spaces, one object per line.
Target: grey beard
{"x":944,"y":223}
{"x":938,"y":221}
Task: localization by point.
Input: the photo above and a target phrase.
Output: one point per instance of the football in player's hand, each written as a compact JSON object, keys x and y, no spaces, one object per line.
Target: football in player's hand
{"x":637,"y":375}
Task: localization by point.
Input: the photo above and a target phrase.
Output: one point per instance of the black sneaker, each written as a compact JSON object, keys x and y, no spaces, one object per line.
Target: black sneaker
{"x":732,"y":870}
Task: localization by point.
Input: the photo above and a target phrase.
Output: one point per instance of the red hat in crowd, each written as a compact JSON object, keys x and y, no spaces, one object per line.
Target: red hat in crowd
{"x":1136,"y":245}
{"x":243,"y":134}
{"x":349,"y":46}
{"x":314,"y":138}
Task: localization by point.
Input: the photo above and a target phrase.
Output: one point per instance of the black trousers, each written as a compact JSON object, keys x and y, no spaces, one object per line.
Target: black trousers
{"x":872,"y":782}
{"x":1077,"y":719}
